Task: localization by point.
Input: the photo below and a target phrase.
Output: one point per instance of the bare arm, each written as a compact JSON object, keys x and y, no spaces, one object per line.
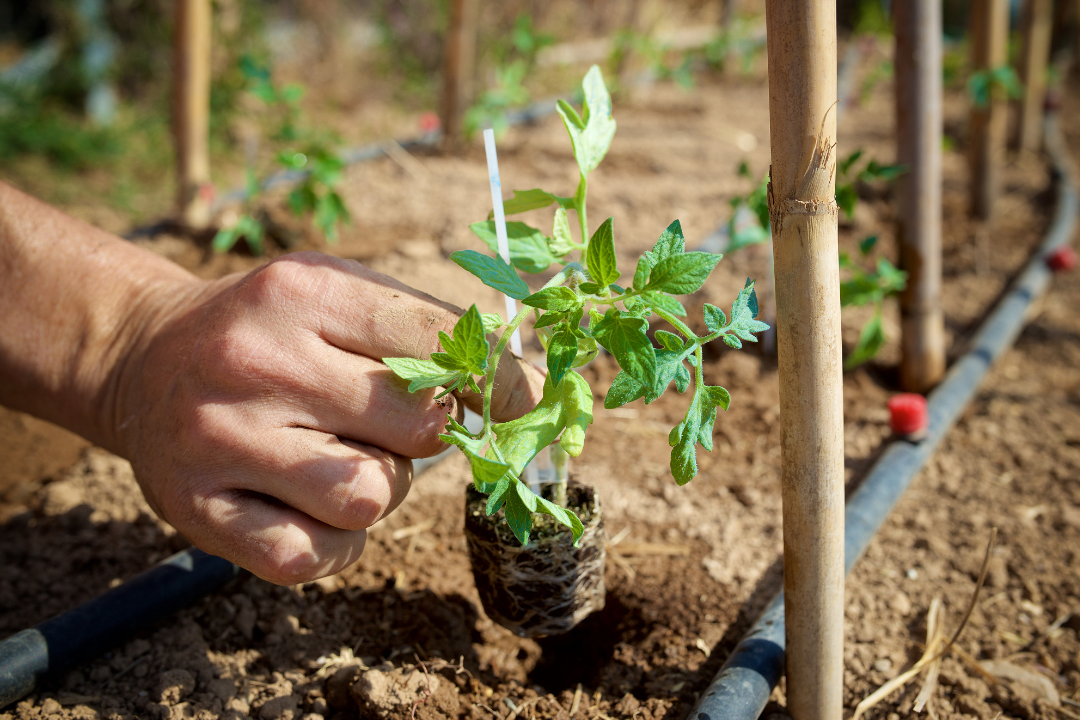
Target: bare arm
{"x":254,"y":409}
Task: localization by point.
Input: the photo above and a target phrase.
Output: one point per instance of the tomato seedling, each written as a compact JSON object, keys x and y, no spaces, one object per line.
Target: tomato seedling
{"x":580,"y":308}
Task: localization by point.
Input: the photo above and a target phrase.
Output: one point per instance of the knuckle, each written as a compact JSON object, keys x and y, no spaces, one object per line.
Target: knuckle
{"x":289,"y":561}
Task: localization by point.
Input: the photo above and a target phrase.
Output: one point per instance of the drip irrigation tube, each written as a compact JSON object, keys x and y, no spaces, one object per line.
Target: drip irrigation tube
{"x":742,"y":687}
{"x":41,"y":654}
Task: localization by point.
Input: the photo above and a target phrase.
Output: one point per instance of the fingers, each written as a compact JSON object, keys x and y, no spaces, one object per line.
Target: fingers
{"x":274,"y":541}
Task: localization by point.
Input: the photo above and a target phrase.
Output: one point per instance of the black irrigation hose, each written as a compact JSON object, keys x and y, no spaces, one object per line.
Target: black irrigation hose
{"x":30,"y":658}
{"x":742,"y":687}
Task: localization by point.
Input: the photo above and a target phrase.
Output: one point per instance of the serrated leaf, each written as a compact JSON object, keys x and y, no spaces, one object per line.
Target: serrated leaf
{"x":624,"y":337}
{"x":623,"y":389}
{"x":715,"y":319}
{"x":600,"y":255}
{"x":695,"y":429}
{"x":468,"y":347}
{"x":557,"y":299}
{"x":661,"y":301}
{"x":421,"y":374}
{"x":548,"y":319}
{"x":529,"y":248}
{"x":670,"y":242}
{"x":667,"y":368}
{"x":562,"y":241}
{"x":743,"y":311}
{"x":492,"y":322}
{"x":683,"y":273}
{"x":641,"y":273}
{"x":578,"y":412}
{"x":493,"y":272}
{"x":590,"y":133}
{"x":561,"y":351}
{"x":669,"y":340}
{"x":682,"y":378}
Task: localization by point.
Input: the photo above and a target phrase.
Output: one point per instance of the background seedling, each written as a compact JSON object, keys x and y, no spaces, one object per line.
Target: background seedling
{"x":866,"y":287}
{"x":580,"y":308}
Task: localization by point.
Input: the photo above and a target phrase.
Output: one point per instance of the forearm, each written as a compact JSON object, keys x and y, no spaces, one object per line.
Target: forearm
{"x":73,"y":300}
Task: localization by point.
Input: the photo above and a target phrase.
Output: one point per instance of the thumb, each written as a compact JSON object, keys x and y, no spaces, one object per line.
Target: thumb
{"x":519,"y":386}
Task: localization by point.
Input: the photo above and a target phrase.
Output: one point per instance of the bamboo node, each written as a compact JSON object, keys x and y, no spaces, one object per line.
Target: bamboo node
{"x":810,"y":207}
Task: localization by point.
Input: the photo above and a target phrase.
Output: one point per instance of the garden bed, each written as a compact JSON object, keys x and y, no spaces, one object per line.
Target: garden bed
{"x":693,"y":565}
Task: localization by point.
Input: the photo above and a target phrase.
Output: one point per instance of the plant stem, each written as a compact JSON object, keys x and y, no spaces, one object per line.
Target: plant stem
{"x":579,"y":206}
{"x":493,"y":365}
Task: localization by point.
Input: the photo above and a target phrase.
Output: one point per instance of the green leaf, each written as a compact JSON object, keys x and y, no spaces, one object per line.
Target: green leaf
{"x":498,"y":495}
{"x":695,"y":429}
{"x":548,"y":319}
{"x":623,"y":389}
{"x":487,"y":473}
{"x":682,"y":274}
{"x":492,"y":322}
{"x":670,"y":242}
{"x":668,"y":364}
{"x":529,"y":248}
{"x":592,"y":132}
{"x":561,"y":352}
{"x":846,"y":163}
{"x":567,"y":406}
{"x":867,"y":244}
{"x":870,"y":341}
{"x":670,"y":340}
{"x":641,"y":273}
{"x":518,"y":514}
{"x":557,"y":299}
{"x":564,"y":516}
{"x":846,"y":197}
{"x":600,"y":255}
{"x":493,"y":272}
{"x":562,"y":241}
{"x":421,"y":374}
{"x":624,"y":337}
{"x":715,"y":319}
{"x":743,"y":312}
{"x":660,"y":301}
{"x":526,"y":200}
{"x":468,"y":348}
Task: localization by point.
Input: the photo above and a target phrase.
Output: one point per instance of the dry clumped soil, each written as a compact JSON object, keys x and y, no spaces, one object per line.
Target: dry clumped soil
{"x":401,"y":634}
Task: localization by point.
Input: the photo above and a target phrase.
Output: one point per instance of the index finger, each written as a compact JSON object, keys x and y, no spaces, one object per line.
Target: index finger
{"x":365,"y":312}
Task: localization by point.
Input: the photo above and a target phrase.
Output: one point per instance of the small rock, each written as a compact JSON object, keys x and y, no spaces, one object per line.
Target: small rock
{"x":883,"y":665}
{"x":628,"y":705}
{"x":900,"y":603}
{"x":224,"y":689}
{"x":319,"y":706}
{"x":381,"y":691}
{"x":238,"y":705}
{"x":50,"y":706}
{"x":280,"y":708}
{"x":175,"y":685}
{"x":337,"y":686}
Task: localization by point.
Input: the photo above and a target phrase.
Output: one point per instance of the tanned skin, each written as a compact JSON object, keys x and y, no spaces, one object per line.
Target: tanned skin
{"x":255,"y":409}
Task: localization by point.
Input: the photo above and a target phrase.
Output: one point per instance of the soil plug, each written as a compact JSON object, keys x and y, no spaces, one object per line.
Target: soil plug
{"x":538,"y":549}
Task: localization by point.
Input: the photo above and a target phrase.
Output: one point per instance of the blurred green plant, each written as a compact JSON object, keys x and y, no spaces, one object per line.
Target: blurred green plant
{"x":311,"y":154}
{"x":847,"y":178}
{"x":864,"y":287}
{"x":32,"y":124}
{"x":999,"y":83}
{"x":872,"y":18}
{"x":515,"y":61}
{"x":752,"y":227}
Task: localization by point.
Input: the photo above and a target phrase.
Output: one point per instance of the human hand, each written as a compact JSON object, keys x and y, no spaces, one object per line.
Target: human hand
{"x":261,"y":423}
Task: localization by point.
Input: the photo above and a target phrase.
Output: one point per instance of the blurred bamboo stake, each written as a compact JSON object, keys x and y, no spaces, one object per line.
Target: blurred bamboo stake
{"x":191,"y":111}
{"x":918,"y":139}
{"x":987,"y":128}
{"x":459,"y":68}
{"x":1038,"y":24}
{"x":801,"y":37}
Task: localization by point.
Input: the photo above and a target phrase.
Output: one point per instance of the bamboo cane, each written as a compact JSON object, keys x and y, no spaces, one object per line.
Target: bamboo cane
{"x":802,"y":97}
{"x":987,"y":128}
{"x":459,"y":67}
{"x":191,"y":121}
{"x":917,"y":25}
{"x":1038,"y":25}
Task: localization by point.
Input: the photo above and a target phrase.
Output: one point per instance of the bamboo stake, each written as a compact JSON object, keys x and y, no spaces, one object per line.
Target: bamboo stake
{"x":917,"y":26}
{"x":802,"y":110}
{"x":987,"y":128}
{"x":191,"y":121}
{"x":459,"y":68}
{"x":1038,"y":24}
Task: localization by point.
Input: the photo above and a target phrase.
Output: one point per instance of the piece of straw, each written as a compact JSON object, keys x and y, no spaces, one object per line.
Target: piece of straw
{"x":500,"y":227}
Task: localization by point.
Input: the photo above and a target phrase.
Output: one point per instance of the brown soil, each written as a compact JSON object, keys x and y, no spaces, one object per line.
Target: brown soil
{"x":694,"y":565}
